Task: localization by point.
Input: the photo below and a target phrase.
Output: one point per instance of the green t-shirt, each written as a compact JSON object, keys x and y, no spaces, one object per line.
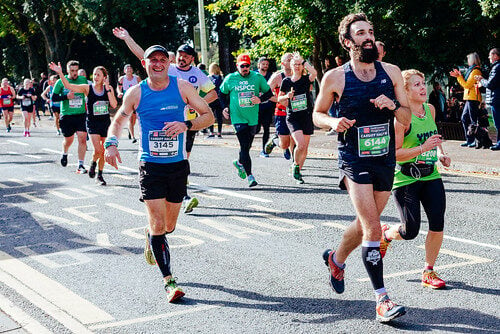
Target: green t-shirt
{"x":420,"y":130}
{"x":240,"y":90}
{"x":76,"y":105}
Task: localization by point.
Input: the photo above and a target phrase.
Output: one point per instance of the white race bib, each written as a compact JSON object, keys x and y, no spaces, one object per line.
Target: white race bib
{"x":76,"y":102}
{"x":161,"y":145}
{"x":101,"y":108}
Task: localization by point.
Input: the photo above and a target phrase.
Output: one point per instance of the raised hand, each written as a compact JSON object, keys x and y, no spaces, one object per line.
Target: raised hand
{"x":56,"y":68}
{"x":121,"y":33}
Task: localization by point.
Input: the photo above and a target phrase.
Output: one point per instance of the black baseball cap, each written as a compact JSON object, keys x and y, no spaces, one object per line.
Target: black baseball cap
{"x":155,"y":48}
{"x":187,"y":49}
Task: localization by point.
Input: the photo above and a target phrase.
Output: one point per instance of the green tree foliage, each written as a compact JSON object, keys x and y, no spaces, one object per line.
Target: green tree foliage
{"x":431,"y":35}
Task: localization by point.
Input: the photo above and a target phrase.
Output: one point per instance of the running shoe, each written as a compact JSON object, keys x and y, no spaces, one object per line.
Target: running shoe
{"x":173,"y":291}
{"x":336,"y":273}
{"x":148,"y":253}
{"x":270,"y":145}
{"x":100,"y":180}
{"x":430,"y":279}
{"x":388,"y":310}
{"x":264,"y":155}
{"x":472,"y":145}
{"x":241,"y":170}
{"x":58,"y":132}
{"x":219,"y":135}
{"x":296,"y":174}
{"x":25,"y":133}
{"x":384,"y":243}
{"x":251,"y":181}
{"x":190,"y":203}
{"x":28,"y":134}
{"x":64,"y":160}
{"x":81,"y":170}
{"x":9,"y":128}
{"x":287,"y":154}
{"x":210,"y":136}
{"x":134,"y":141}
{"x":92,"y":168}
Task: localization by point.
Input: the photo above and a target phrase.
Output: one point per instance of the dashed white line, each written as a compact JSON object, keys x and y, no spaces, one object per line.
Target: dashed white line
{"x":229,"y":193}
{"x":17,"y":142}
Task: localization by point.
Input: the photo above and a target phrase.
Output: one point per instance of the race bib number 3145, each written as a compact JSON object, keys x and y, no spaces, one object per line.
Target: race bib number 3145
{"x":161,"y":145}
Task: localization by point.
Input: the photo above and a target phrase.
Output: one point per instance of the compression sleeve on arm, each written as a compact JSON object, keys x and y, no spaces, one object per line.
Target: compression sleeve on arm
{"x":266,"y":96}
{"x":59,"y":97}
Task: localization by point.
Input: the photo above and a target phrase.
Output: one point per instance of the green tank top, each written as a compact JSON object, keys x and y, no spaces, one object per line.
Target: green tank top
{"x":420,"y":130}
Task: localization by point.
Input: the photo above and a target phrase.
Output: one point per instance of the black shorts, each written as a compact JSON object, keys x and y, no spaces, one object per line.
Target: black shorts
{"x":55,"y":109}
{"x":98,"y":126}
{"x":381,"y":176}
{"x":302,"y":122}
{"x":190,"y":135}
{"x":72,"y":123}
{"x":7,"y":109}
{"x":281,"y":126}
{"x":266,"y":116}
{"x":167,"y":181}
{"x":27,"y":109}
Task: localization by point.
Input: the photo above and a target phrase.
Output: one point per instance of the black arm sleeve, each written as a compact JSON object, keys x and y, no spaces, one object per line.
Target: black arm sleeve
{"x":59,"y":97}
{"x":266,"y":96}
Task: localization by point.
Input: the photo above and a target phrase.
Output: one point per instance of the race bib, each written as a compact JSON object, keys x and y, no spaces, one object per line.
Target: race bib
{"x":6,"y":101}
{"x":161,"y":145}
{"x":76,"y":102}
{"x":26,"y":102}
{"x":244,"y":99}
{"x":373,"y":140}
{"x":299,"y":102}
{"x":429,"y":157}
{"x":101,"y":108}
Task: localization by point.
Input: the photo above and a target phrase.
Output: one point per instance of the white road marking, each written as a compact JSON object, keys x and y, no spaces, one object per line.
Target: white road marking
{"x":471,"y":259}
{"x":52,"y":297}
{"x":55,"y":219}
{"x":126,"y":209}
{"x":32,"y":156}
{"x":60,"y":258}
{"x":202,"y":194}
{"x":53,"y":151}
{"x":28,"y":323}
{"x":85,"y":215}
{"x":235,"y":230}
{"x":229,"y":193}
{"x":153,"y":317}
{"x":29,"y":196}
{"x":120,"y":176}
{"x":200,"y":233}
{"x":295,"y":225}
{"x":134,"y":170}
{"x":21,"y":183}
{"x":17,"y":142}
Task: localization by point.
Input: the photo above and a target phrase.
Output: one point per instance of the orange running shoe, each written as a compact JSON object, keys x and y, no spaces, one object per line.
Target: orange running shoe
{"x":430,"y":279}
{"x":384,"y":243}
{"x":388,"y":310}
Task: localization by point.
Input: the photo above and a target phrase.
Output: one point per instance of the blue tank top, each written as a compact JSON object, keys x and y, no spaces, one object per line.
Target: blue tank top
{"x":52,"y":103}
{"x":155,"y":109}
{"x":371,"y":139}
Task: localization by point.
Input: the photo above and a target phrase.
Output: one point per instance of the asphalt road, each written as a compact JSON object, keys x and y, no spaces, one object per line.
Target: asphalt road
{"x":249,"y":260}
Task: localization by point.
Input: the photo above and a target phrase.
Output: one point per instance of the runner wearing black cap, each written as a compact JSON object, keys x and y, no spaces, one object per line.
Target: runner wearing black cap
{"x":183,"y":69}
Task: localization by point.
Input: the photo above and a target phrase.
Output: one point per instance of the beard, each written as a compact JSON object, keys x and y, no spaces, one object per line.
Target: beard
{"x":363,"y":55}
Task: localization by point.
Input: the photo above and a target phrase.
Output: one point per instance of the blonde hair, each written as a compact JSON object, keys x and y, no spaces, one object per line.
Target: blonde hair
{"x":214,"y":69}
{"x":407,"y":74}
{"x":475,"y":58}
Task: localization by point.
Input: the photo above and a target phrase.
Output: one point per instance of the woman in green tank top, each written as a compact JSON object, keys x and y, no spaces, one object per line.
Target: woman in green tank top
{"x":417,"y":180}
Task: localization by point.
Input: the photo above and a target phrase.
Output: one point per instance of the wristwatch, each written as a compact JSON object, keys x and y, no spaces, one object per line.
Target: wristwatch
{"x":189,"y":124}
{"x":397,"y":104}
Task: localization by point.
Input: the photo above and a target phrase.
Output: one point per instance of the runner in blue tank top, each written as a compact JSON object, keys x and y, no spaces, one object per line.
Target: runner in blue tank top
{"x":159,"y":102}
{"x":371,"y":95}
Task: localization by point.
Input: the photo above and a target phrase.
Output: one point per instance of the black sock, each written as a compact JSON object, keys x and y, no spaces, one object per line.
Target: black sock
{"x":99,"y":173}
{"x":372,"y":260}
{"x":161,"y":251}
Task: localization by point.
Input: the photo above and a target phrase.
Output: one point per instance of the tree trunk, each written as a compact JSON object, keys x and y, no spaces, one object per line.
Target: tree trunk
{"x":228,"y":43}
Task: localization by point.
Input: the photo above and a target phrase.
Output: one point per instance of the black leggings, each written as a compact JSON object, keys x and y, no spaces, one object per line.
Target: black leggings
{"x":245,"y":134}
{"x":265,"y":120}
{"x":217,"y":110}
{"x":408,"y":198}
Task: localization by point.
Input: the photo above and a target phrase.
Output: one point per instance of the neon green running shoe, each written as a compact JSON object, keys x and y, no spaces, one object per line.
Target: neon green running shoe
{"x":148,"y":253}
{"x":297,"y":175}
{"x":241,"y":170}
{"x":189,"y":204}
{"x":174,"y":293}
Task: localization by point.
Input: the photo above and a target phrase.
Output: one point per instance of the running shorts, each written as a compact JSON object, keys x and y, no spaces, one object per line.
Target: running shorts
{"x":381,"y":176}
{"x":72,"y":123}
{"x":302,"y":122}
{"x":9,"y":109}
{"x":167,"y":181}
{"x":98,"y":127}
{"x":281,"y":126}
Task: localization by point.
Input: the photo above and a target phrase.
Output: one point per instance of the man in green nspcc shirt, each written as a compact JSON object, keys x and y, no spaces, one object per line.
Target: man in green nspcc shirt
{"x":243,"y":88}
{"x":73,"y":115}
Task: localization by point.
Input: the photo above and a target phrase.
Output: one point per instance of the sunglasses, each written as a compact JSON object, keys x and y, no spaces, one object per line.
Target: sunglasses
{"x":244,"y":66}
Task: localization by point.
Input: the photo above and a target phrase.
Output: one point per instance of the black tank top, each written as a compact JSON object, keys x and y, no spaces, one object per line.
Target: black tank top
{"x":378,"y":142}
{"x":98,"y":105}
